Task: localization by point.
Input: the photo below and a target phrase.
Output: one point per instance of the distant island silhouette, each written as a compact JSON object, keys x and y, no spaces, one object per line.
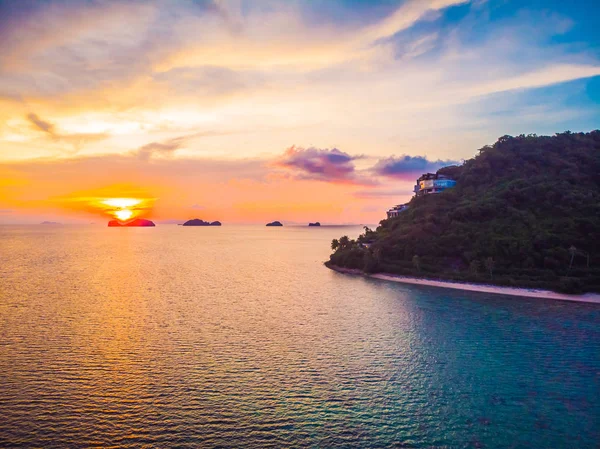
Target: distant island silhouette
{"x":53,"y":223}
{"x":138,"y":222}
{"x":275,"y":223}
{"x":315,"y":224}
{"x":198,"y":222}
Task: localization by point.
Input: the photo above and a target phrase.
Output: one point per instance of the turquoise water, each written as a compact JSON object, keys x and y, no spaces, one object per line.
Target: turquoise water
{"x":240,"y":337}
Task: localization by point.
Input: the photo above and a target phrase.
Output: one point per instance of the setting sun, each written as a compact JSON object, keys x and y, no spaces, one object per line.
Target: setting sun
{"x":124,"y":209}
{"x":123,"y":214}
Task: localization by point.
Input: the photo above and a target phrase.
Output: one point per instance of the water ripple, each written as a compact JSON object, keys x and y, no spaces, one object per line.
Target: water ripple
{"x":239,"y":337}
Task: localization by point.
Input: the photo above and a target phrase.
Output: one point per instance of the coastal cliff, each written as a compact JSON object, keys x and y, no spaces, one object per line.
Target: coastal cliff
{"x":525,"y":212}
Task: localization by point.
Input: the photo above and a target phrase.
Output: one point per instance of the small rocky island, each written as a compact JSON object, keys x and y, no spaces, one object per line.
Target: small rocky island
{"x":51,"y":223}
{"x":138,"y":222}
{"x":316,"y":223}
{"x":275,"y":223}
{"x":198,"y":222}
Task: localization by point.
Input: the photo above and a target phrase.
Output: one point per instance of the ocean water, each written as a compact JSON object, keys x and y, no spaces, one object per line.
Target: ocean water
{"x":239,"y":337}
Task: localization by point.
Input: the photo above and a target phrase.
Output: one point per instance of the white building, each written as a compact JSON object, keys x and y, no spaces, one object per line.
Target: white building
{"x":428,"y":183}
{"x":395,"y":211}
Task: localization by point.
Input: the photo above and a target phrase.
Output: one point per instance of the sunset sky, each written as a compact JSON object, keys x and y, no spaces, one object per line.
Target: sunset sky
{"x":252,"y":111}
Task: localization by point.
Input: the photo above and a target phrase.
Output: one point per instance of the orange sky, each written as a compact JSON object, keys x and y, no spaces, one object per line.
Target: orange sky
{"x":288,"y":111}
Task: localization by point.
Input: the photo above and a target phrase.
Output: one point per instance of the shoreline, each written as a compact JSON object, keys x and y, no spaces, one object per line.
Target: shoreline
{"x":593,"y":298}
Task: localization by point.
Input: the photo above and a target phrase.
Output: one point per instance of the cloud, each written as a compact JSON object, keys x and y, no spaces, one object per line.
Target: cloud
{"x":161,"y":148}
{"x":321,"y":164}
{"x":408,"y":167}
{"x":371,"y":77}
{"x":75,"y":140}
{"x":40,"y":124}
{"x":169,"y":146}
{"x":223,"y":189}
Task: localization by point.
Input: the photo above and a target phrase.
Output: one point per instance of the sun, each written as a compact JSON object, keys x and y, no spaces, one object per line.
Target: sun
{"x":123,"y":214}
{"x":123,"y":209}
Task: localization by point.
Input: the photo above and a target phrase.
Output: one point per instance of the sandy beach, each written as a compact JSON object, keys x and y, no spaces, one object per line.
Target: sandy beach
{"x":483,"y":288}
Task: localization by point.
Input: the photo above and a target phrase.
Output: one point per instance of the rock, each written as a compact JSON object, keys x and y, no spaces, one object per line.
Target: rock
{"x":275,"y":223}
{"x":198,"y":222}
{"x":138,"y":222}
{"x":315,"y":224}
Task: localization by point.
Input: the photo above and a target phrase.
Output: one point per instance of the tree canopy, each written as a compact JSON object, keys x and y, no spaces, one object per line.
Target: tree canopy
{"x":525,"y":212}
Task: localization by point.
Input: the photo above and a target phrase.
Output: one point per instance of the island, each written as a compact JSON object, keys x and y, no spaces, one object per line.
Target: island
{"x":198,"y":222}
{"x":138,"y":222}
{"x":51,"y":223}
{"x":275,"y":223}
{"x":314,"y":224}
{"x":523,"y":213}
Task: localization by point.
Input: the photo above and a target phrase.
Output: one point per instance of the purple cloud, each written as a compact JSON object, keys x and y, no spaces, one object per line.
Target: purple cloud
{"x":408,"y":167}
{"x":322,"y":165}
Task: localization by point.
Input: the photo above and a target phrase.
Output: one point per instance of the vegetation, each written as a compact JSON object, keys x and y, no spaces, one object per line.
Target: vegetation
{"x":525,"y":212}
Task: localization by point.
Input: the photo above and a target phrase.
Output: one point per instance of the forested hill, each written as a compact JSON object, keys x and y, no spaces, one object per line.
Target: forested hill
{"x":525,"y":212}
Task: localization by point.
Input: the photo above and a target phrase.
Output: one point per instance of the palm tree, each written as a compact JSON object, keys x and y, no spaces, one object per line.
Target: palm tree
{"x":489,"y":264}
{"x":416,"y":261}
{"x":572,"y":251}
{"x":335,"y":244}
{"x":474,"y":267}
{"x":344,"y":242}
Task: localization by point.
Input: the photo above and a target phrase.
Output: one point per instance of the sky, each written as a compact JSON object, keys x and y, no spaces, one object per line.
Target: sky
{"x":251,"y":111}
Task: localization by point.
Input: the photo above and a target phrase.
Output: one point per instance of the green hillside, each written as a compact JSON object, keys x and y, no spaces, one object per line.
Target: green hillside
{"x":525,"y":212}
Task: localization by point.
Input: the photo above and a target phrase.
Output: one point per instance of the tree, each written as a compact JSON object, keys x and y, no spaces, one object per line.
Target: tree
{"x":572,"y":251}
{"x":335,"y":244}
{"x":474,"y":267}
{"x":523,"y":202}
{"x":587,"y":256}
{"x":489,"y":264}
{"x":344,"y":242}
{"x":371,"y":264}
{"x":416,"y":261}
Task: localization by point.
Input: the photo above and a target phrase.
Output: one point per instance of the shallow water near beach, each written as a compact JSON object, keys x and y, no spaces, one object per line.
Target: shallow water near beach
{"x":238,"y":336}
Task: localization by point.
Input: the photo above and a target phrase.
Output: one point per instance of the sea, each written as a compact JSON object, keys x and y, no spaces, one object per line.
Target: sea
{"x":240,"y":337}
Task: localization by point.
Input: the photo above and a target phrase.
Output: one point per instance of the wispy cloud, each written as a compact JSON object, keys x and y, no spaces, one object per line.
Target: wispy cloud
{"x":74,"y":140}
{"x":40,"y":124}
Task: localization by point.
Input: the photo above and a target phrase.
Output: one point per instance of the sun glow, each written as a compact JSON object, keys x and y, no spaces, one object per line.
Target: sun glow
{"x":123,"y":214}
{"x":122,"y":203}
{"x":123,"y":209}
